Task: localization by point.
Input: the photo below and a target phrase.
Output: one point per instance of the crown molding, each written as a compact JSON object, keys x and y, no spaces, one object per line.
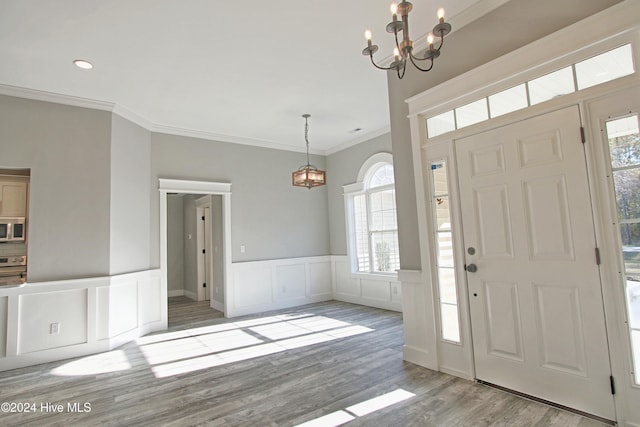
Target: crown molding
{"x":174,"y":130}
{"x":140,"y":120}
{"x":57,"y":98}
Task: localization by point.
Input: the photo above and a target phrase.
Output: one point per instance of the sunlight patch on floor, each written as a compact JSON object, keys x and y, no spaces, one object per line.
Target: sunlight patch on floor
{"x":338,"y":418}
{"x":102,"y":363}
{"x":188,"y":352}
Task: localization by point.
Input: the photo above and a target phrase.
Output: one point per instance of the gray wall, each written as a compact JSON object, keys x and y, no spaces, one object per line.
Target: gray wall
{"x":175,"y":243}
{"x":130,"y":197}
{"x":513,"y":25}
{"x":68,"y":152}
{"x":342,"y":169}
{"x":268,"y":215}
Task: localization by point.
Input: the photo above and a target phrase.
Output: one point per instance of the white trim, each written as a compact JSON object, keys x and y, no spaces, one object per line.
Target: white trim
{"x":192,"y":295}
{"x":565,"y":47}
{"x":148,"y":124}
{"x":266,"y":285}
{"x":606,"y":30}
{"x":166,"y":186}
{"x":412,"y":276}
{"x":175,"y":293}
{"x":365,"y":169}
{"x":102,"y":328}
{"x":356,"y":187}
{"x":372,"y":290}
{"x":193,"y":187}
{"x":57,"y":98}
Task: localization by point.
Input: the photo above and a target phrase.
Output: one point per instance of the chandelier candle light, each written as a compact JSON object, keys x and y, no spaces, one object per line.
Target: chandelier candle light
{"x":403,"y":51}
{"x":308,"y":175}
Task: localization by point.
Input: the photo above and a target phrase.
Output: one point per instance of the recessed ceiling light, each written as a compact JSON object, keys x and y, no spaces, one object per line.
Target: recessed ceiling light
{"x":81,"y":63}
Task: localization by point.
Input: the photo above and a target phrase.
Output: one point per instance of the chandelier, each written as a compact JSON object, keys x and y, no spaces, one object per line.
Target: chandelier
{"x":308,"y":175}
{"x":403,"y":51}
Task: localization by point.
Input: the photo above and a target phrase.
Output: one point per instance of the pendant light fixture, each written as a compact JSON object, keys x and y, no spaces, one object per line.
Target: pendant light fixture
{"x":308,"y":175}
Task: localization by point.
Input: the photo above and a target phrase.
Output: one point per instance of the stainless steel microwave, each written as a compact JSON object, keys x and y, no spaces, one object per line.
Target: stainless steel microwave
{"x":12,"y":229}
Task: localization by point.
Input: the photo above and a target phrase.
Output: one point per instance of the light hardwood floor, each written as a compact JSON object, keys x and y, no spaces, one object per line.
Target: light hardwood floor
{"x":278,"y":369}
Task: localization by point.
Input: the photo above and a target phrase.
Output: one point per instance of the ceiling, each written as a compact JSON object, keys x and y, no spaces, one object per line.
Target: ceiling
{"x":237,"y":71}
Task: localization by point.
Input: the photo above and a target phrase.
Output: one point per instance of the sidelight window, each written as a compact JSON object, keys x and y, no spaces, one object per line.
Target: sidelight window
{"x":446,"y":277}
{"x":624,"y":150}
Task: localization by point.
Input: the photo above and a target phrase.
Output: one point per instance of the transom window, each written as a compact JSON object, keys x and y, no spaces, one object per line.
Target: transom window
{"x":371,"y":217}
{"x":593,"y":71}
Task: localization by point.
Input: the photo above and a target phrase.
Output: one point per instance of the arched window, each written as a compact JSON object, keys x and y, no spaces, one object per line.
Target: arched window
{"x":371,"y":218}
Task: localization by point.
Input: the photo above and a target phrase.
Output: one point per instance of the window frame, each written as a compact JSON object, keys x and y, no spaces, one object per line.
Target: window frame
{"x":360,"y":188}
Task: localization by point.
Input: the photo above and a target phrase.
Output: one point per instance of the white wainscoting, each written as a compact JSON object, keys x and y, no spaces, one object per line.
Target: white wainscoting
{"x":259,"y":286}
{"x":94,"y":315}
{"x":419,"y":324}
{"x":380,"y":291}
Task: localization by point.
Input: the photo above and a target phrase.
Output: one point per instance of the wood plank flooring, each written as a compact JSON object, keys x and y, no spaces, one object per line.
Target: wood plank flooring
{"x":201,"y":372}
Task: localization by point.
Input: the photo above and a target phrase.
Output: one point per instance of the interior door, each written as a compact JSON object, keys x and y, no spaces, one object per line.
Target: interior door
{"x":535,"y":294}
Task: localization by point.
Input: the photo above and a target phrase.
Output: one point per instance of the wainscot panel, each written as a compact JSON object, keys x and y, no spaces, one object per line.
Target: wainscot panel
{"x":47,"y":321}
{"x":3,"y":326}
{"x":381,"y":291}
{"x":123,"y":307}
{"x":274,"y":284}
{"x":320,"y":278}
{"x":52,"y":319}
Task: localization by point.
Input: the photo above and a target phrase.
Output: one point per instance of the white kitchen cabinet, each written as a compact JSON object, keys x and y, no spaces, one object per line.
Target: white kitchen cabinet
{"x":13,"y":198}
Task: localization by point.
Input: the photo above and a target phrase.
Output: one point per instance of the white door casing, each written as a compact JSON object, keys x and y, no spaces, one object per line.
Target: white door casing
{"x":615,"y":105}
{"x":535,"y":300}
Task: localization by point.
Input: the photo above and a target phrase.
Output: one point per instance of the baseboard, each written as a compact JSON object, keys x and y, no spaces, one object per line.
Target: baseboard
{"x":175,"y":293}
{"x":456,"y":373}
{"x":53,"y":354}
{"x":385,"y":305}
{"x":217,"y":305}
{"x":419,"y":357}
{"x":191,"y":295}
{"x":279,"y":305}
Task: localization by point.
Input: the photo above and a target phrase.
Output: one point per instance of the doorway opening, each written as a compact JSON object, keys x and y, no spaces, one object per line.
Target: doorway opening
{"x":216,"y":197}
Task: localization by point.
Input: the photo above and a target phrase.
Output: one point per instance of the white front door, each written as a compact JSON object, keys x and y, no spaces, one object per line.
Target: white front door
{"x":534,"y":287}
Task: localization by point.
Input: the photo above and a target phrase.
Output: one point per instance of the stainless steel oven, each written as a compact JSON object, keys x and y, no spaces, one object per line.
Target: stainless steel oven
{"x":13,"y":270}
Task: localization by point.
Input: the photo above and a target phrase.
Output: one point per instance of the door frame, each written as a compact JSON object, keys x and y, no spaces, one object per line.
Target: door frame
{"x":203,"y":210}
{"x":606,"y":30}
{"x":606,"y":219}
{"x":223,"y":189}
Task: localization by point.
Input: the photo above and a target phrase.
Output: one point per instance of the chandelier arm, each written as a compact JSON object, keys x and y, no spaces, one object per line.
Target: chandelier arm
{"x":379,"y":67}
{"x":404,"y":69}
{"x":421,"y":69}
{"x":413,"y":57}
{"x":441,"y":41}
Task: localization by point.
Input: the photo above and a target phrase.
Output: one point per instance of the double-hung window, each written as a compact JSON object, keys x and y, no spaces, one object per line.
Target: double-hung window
{"x":371,"y":219}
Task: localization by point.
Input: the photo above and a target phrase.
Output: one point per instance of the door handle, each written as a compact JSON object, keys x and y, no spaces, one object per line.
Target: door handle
{"x":471,"y":268}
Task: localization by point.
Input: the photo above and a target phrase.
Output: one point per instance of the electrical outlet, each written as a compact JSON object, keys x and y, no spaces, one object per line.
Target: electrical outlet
{"x":242,"y":249}
{"x":54,"y":328}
